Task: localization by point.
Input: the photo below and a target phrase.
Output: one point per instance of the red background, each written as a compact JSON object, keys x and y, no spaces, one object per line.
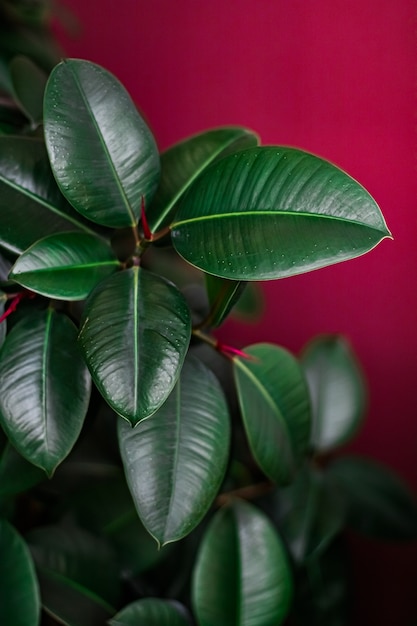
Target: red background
{"x":338,"y":79}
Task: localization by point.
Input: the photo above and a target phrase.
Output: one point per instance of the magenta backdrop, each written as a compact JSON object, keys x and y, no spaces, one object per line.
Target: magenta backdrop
{"x":336,"y":78}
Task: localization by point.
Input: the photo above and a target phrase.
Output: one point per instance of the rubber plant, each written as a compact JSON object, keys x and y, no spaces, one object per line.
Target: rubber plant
{"x":150,"y":473}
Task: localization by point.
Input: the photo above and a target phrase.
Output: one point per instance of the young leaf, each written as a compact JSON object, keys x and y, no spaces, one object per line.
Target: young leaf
{"x":45,"y":388}
{"x":378,"y":502}
{"x":152,"y":612}
{"x":337,"y":391}
{"x":29,"y":83}
{"x":31,"y":205}
{"x":183,"y":162}
{"x":103,"y":155}
{"x":78,"y":575}
{"x":175,"y":462}
{"x":271,"y":212}
{"x":223,"y":294}
{"x":66,"y":266}
{"x":274,"y":401}
{"x":137,"y":365}
{"x":241,"y":576}
{"x":19,"y":589}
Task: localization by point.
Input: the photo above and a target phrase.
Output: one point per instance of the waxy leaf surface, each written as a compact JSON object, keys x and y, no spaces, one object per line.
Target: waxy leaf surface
{"x":152,"y":612}
{"x":45,"y":388}
{"x":31,"y":205}
{"x":137,"y":365}
{"x":241,"y":576}
{"x":102,"y":153}
{"x":337,"y":391}
{"x":175,"y":462}
{"x":19,"y":589}
{"x":65,"y":266}
{"x":274,"y":401}
{"x":271,"y":212}
{"x":183,"y":162}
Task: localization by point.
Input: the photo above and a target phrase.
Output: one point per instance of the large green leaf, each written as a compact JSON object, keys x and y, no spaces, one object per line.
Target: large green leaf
{"x":66,"y":266}
{"x":183,"y":162}
{"x":136,"y":365}
{"x":102,"y":153}
{"x":152,"y":612}
{"x":19,"y":590}
{"x":241,"y":576}
{"x":175,"y":462}
{"x":378,"y":502}
{"x":45,"y":388}
{"x":28,"y":87}
{"x":77,"y":574}
{"x":31,"y":205}
{"x":271,"y":212}
{"x":275,"y":406}
{"x":337,"y":391}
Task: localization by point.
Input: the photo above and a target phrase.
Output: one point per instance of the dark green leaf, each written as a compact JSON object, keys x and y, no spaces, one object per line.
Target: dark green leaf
{"x":378,"y":502}
{"x":45,"y":388}
{"x":152,"y":612}
{"x":3,"y":325}
{"x":183,"y":162}
{"x":241,"y":576}
{"x":17,"y":474}
{"x":31,"y":205}
{"x":137,"y":365}
{"x":11,"y":119}
{"x":223,"y":294}
{"x":274,"y":401}
{"x":272,"y":212}
{"x":19,"y":590}
{"x":28,"y":87}
{"x":337,"y":390}
{"x":175,"y":462}
{"x":103,"y":155}
{"x":77,"y":573}
{"x":66,"y":266}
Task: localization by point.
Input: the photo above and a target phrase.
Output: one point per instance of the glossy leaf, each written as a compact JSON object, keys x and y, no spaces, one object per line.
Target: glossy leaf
{"x":137,"y":365}
{"x":45,"y":388}
{"x":17,"y":474}
{"x":378,"y":502}
{"x":223,"y":294}
{"x":66,"y":266}
{"x":19,"y":590}
{"x":337,"y":390}
{"x":183,"y":162}
{"x":102,"y":153}
{"x":271,"y":212}
{"x":152,"y":612}
{"x":241,"y":576}
{"x":175,"y":462}
{"x":31,"y":205}
{"x":77,"y":573}
{"x":274,"y":402}
{"x":28,"y":87}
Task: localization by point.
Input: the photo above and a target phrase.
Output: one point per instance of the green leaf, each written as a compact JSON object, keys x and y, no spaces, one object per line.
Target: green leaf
{"x":274,"y":401}
{"x":183,"y":162}
{"x":17,"y":474}
{"x":102,"y":153}
{"x":77,"y":573}
{"x":137,"y":365}
{"x":223,"y":294}
{"x":241,"y":575}
{"x":31,"y":205}
{"x":3,"y":325}
{"x":337,"y":391}
{"x":12,"y":121}
{"x":28,"y":87}
{"x":19,"y":591}
{"x":378,"y":502}
{"x":152,"y":612}
{"x":45,"y":388}
{"x":310,"y":513}
{"x":272,"y":212}
{"x":66,"y":266}
{"x":176,"y":461}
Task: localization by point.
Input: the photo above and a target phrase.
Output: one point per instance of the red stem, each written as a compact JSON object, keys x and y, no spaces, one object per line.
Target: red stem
{"x":145,"y":226}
